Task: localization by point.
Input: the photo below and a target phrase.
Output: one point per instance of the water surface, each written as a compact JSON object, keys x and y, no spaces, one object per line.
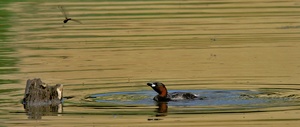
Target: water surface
{"x":189,"y":45}
{"x":230,"y":98}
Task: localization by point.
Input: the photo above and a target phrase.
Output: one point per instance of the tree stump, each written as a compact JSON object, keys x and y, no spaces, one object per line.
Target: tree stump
{"x":41,"y":99}
{"x":37,"y":92}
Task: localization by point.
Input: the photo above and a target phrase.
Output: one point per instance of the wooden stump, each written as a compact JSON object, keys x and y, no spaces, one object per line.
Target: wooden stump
{"x":39,"y":93}
{"x":41,"y":99}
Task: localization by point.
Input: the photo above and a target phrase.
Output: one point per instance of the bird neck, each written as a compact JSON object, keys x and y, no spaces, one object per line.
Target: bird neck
{"x":162,"y":92}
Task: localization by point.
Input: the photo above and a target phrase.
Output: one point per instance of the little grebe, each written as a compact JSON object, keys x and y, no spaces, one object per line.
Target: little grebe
{"x":163,"y":94}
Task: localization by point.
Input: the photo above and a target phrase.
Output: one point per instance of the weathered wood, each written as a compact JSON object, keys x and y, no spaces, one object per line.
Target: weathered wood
{"x":42,"y":100}
{"x":39,"y":93}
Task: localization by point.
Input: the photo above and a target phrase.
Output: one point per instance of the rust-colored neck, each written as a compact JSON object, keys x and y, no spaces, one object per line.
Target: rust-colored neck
{"x":162,"y":91}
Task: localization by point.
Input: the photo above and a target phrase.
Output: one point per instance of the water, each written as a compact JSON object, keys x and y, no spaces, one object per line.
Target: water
{"x":213,"y":98}
{"x":235,"y":47}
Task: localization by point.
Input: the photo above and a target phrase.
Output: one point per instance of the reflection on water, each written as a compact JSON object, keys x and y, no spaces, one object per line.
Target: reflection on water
{"x":162,"y":109}
{"x":37,"y":111}
{"x":121,"y":45}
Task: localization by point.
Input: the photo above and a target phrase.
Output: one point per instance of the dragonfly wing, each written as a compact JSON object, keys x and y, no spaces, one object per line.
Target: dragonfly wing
{"x":63,"y":11}
{"x":76,"y":21}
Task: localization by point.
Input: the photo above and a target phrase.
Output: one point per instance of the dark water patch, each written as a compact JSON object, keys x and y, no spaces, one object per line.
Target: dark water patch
{"x":7,"y":61}
{"x":112,"y":48}
{"x":229,"y":110}
{"x":105,"y":87}
{"x":8,"y":70}
{"x":2,"y":91}
{"x":75,"y":70}
{"x":188,"y":14}
{"x":42,"y":48}
{"x":112,"y":113}
{"x":289,"y":27}
{"x":191,"y":7}
{"x":8,"y":81}
{"x":284,"y":84}
{"x":109,"y":79}
{"x":138,"y":4}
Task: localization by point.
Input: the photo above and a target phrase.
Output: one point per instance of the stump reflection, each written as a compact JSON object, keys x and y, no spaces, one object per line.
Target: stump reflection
{"x":37,"y":111}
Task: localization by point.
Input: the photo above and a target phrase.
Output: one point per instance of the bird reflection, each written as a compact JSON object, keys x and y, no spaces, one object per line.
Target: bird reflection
{"x":64,"y":12}
{"x":162,"y":109}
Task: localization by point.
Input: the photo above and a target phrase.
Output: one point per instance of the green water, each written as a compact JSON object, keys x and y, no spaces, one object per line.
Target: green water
{"x":7,"y":61}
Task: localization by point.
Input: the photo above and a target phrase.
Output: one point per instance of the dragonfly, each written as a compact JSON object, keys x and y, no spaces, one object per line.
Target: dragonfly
{"x":61,"y":8}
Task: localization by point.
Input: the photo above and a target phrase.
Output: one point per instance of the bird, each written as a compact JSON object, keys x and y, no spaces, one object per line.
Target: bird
{"x":164,"y":96}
